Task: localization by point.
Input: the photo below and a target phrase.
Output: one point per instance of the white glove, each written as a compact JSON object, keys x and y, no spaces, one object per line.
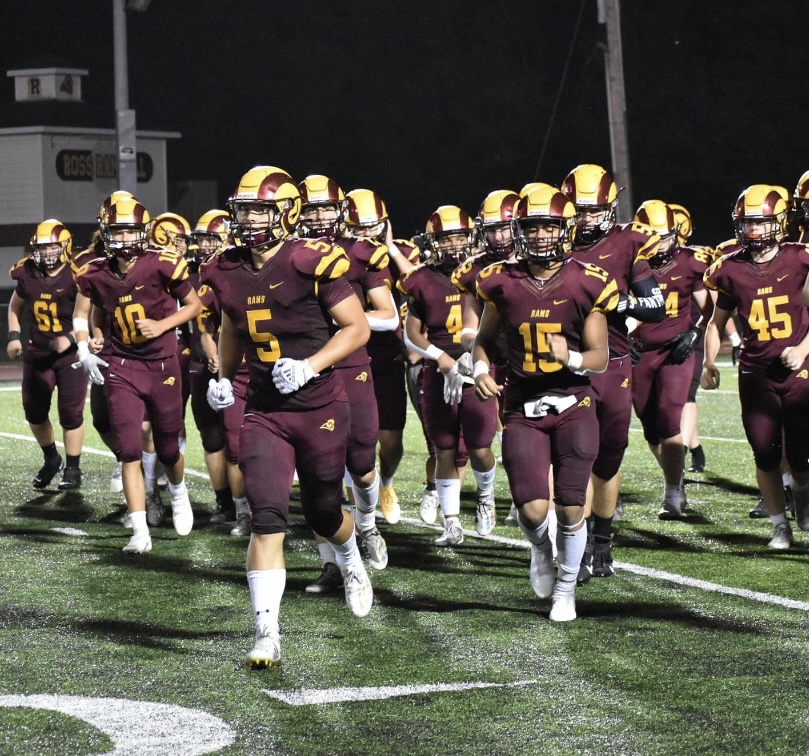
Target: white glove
{"x":91,"y":365}
{"x":464,"y":364}
{"x":290,"y":375}
{"x":220,"y":394}
{"x":453,"y":385}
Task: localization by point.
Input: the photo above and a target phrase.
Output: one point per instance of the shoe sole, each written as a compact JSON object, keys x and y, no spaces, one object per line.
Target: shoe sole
{"x":262,"y":663}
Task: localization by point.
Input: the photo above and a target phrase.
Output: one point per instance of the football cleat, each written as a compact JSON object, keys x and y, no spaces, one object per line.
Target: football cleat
{"x":155,"y":511}
{"x":71,"y":479}
{"x":512,"y":518}
{"x":670,"y":509}
{"x":781,"y":536}
{"x":485,"y":514}
{"x":759,"y":512}
{"x":697,"y":459}
{"x":117,"y":479}
{"x":139,"y":544}
{"x":452,"y":535}
{"x":181,"y":514}
{"x":389,"y":504}
{"x":563,"y":602}
{"x":330,"y":579}
{"x":372,"y":546}
{"x":359,"y":592}
{"x":602,"y":559}
{"x":265,"y":653}
{"x":242,"y":526}
{"x":223,"y":514}
{"x":428,"y":509}
{"x":47,"y":472}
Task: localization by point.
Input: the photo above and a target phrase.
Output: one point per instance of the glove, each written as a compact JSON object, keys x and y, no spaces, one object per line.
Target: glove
{"x":464,"y":364}
{"x":735,"y":353}
{"x":634,"y":351}
{"x":453,"y":385}
{"x":91,"y":364}
{"x":683,"y":345}
{"x":220,"y":394}
{"x":290,"y":375}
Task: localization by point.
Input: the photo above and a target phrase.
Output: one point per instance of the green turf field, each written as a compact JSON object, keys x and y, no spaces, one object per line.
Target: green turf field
{"x":698,"y":644}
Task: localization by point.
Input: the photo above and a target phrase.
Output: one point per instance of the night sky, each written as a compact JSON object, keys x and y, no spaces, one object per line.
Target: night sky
{"x":430,"y":102}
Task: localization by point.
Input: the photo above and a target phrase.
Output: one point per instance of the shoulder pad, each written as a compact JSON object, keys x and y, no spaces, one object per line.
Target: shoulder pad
{"x":320,"y":259}
{"x":16,"y":270}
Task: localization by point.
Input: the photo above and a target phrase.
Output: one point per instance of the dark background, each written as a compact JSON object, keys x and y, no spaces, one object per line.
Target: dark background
{"x":431,"y":102}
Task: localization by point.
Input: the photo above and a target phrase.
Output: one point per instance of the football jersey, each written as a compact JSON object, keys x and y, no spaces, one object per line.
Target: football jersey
{"x":624,"y":252}
{"x":149,"y":290}
{"x":436,"y":301}
{"x":201,"y":324}
{"x":51,"y":299}
{"x":768,"y":299}
{"x":530,"y":308}
{"x":280,"y":310}
{"x":678,"y":280}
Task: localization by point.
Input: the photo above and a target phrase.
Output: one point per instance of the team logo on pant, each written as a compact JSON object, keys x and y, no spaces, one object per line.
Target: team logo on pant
{"x":584,"y":402}
{"x":169,"y":381}
{"x":328,"y":425}
{"x":803,"y":374}
{"x":363,"y":376}
{"x":625,"y":383}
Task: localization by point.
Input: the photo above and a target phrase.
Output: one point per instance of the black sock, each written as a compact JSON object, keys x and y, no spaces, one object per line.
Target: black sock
{"x":431,"y":486}
{"x":71,"y":461}
{"x":50,"y":452}
{"x":697,"y":449}
{"x":602,"y":529}
{"x":224,"y":498}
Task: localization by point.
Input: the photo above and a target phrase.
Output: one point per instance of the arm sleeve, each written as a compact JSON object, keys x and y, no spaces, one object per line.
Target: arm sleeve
{"x":648,"y":305}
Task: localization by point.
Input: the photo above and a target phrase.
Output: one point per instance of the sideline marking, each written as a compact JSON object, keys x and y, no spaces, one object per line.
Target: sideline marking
{"x":314,"y":696}
{"x":69,"y":531}
{"x":138,"y":727}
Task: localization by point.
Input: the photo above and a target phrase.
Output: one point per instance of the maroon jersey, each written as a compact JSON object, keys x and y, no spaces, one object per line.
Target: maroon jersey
{"x":149,"y":290}
{"x":530,"y":309}
{"x":465,"y":276}
{"x":438,"y":304}
{"x":51,"y":299}
{"x":280,"y":311}
{"x":624,"y":252}
{"x":768,"y":298}
{"x":678,"y":280}
{"x":200,"y":324}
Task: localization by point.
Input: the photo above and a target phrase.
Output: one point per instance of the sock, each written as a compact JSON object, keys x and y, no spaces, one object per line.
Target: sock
{"x":538,"y":536}
{"x":552,"y":528}
{"x":149,"y":463}
{"x":429,"y":486}
{"x":49,"y":452}
{"x":326,"y":551}
{"x":778,"y":519}
{"x":176,"y":491}
{"x":266,"y":590}
{"x":569,"y":550}
{"x":675,"y":493}
{"x":138,"y":520}
{"x":366,"y":499}
{"x":485,"y":480}
{"x":224,"y":498}
{"x":347,"y":555}
{"x":348,"y":480}
{"x":241,"y":505}
{"x":181,"y":442}
{"x":602,"y":529}
{"x":499,"y":435}
{"x":696,"y":450}
{"x":449,"y":496}
{"x":386,"y":480}
{"x":786,"y":480}
{"x":72,"y":460}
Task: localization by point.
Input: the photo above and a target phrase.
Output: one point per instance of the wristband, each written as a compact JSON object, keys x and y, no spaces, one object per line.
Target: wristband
{"x":433,"y":352}
{"x":393,"y":250}
{"x":84,"y":349}
{"x":80,"y":324}
{"x":13,"y":335}
{"x":469,"y":332}
{"x":574,"y":360}
{"x":479,"y":368}
{"x":71,"y":338}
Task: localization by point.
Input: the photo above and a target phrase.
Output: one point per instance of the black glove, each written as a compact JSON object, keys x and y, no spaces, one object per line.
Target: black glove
{"x":681,"y":346}
{"x":735,"y":352}
{"x":634,"y":351}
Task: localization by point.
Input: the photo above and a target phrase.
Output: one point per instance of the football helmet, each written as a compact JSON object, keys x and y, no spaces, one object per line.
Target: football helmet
{"x":210,"y":235}
{"x":449,"y":235}
{"x":170,"y":231}
{"x":123,"y":222}
{"x":264,"y":207}
{"x":494,"y":224}
{"x":528,"y":188}
{"x":51,"y":244}
{"x":801,"y":199}
{"x":684,"y":225}
{"x":594,"y":193}
{"x":545,"y":226}
{"x":760,"y":217}
{"x":320,"y":197}
{"x":659,"y":216}
{"x":366,"y":214}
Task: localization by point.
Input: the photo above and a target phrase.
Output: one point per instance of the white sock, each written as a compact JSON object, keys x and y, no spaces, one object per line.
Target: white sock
{"x":449,"y":496}
{"x":366,"y":499}
{"x":347,"y":555}
{"x":499,"y":435}
{"x":177,"y":490}
{"x":778,"y":519}
{"x":552,"y":528}
{"x":485,"y":480}
{"x":786,"y":480}
{"x":675,"y":493}
{"x":149,"y":462}
{"x":570,"y":550}
{"x":347,"y":480}
{"x":181,"y":443}
{"x":266,"y":590}
{"x":537,"y":536}
{"x":139,"y":526}
{"x":326,"y":551}
{"x":241,"y":505}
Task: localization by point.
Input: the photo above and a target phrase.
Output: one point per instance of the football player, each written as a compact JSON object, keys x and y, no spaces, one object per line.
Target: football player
{"x":662,"y":375}
{"x":281,"y":298}
{"x":433,"y":329}
{"x":137,"y":288}
{"x":764,"y":277}
{"x":623,"y":251}
{"x":552,"y":310}
{"x":44,"y":283}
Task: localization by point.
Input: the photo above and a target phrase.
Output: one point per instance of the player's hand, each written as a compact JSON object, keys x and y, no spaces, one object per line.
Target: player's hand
{"x":291,"y":375}
{"x":486,"y":387}
{"x":96,"y":345}
{"x":14,"y":349}
{"x":682,"y":346}
{"x":464,"y":364}
{"x":213,"y":362}
{"x":92,"y":364}
{"x":558,"y":347}
{"x":453,"y":385}
{"x":710,"y":377}
{"x":792,"y":358}
{"x":149,"y":328}
{"x":634,"y":351}
{"x":59,"y":344}
{"x":220,"y":394}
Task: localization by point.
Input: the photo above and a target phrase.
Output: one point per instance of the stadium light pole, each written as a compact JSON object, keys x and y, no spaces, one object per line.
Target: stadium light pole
{"x":125,"y":134}
{"x":609,"y":13}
